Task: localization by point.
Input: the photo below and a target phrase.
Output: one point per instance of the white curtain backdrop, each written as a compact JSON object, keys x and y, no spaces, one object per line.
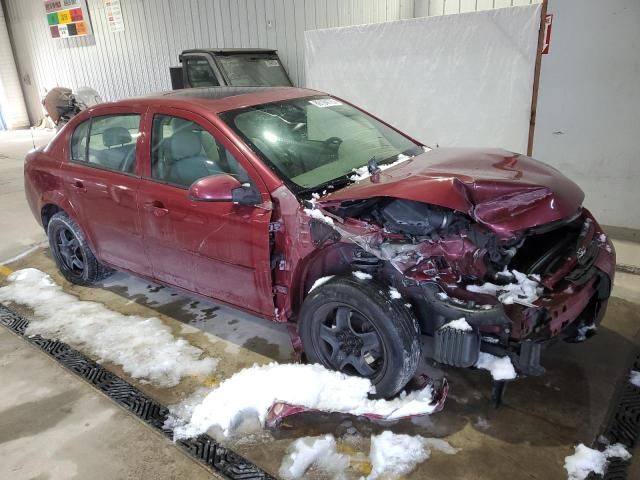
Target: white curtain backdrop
{"x":454,"y":80}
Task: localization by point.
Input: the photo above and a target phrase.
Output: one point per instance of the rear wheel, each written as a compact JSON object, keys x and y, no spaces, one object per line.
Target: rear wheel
{"x":354,"y":326}
{"x":72,"y":254}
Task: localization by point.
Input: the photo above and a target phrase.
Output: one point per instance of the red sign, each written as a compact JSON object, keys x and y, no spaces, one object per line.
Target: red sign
{"x":548,"y":20}
{"x":76,"y":14}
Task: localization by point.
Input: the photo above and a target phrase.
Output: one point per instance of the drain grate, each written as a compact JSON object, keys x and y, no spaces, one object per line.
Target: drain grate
{"x":623,"y":425}
{"x":203,"y":448}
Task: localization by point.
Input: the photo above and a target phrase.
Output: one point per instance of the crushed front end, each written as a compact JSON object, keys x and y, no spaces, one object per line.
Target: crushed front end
{"x":519,"y":290}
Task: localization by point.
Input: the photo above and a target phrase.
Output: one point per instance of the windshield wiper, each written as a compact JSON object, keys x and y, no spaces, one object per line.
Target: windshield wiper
{"x":336,"y":182}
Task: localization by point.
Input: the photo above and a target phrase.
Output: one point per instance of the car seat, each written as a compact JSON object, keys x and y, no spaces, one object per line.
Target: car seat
{"x":188,"y":163}
{"x":120,"y":151}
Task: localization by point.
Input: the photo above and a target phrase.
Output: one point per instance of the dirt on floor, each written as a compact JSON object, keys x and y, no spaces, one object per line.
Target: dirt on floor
{"x":540,"y":422}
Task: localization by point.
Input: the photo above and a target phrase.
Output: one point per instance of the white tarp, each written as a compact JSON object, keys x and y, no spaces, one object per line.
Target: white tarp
{"x":454,"y":80}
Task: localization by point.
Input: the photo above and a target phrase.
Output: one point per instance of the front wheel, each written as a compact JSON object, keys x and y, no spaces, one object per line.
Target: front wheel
{"x":354,"y":326}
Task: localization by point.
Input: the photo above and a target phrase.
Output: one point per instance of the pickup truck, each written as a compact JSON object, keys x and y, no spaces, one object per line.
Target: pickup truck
{"x":236,"y":67}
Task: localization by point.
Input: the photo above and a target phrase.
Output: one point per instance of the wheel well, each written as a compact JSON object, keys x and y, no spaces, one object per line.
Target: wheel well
{"x":47,"y":212}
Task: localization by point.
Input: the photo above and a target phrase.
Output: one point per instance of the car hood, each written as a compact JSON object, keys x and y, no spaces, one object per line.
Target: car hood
{"x":506,"y":191}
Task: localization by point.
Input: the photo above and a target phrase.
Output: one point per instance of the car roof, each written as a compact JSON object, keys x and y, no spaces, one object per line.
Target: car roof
{"x":223,"y":51}
{"x":214,"y":99}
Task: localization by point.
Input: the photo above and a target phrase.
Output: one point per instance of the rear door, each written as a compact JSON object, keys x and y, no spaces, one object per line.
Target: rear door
{"x":220,"y":250}
{"x":102,"y":181}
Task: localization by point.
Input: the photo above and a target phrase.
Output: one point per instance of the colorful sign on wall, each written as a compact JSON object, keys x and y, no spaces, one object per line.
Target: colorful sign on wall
{"x":67,"y":18}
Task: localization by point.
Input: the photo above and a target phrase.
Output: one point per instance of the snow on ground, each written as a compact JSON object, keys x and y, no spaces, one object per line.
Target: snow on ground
{"x":501,"y":368}
{"x":459,"y":324}
{"x":363,"y":172}
{"x":634,"y":378}
{"x":394,"y":455}
{"x":319,"y":452}
{"x":586,"y":460}
{"x":391,"y":455}
{"x":318,"y":215}
{"x":362,"y":275}
{"x":525,"y":291}
{"x":253,"y":390}
{"x":321,"y":281}
{"x":144,"y":347}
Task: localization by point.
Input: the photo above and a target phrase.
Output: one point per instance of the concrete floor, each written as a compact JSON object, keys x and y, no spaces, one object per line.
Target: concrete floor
{"x":43,"y":409}
{"x":18,"y":229}
{"x":54,"y":426}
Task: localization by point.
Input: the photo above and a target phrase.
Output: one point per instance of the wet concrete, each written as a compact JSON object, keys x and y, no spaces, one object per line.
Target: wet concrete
{"x":54,"y":426}
{"x":541,"y":421}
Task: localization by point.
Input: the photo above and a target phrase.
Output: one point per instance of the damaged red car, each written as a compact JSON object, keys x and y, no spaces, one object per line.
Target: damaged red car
{"x":299,"y":207}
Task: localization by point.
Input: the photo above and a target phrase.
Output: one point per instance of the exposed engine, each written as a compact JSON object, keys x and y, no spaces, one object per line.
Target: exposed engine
{"x":413,"y":231}
{"x":415,"y":218}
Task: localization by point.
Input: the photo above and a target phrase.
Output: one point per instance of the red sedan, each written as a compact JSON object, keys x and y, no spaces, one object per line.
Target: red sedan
{"x":299,"y":207}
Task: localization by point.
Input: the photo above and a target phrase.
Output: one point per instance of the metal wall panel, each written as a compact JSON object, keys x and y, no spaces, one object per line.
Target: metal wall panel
{"x":136,"y":61}
{"x":431,"y":8}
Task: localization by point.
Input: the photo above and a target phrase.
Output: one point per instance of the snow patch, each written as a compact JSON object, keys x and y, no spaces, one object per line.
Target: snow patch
{"x":394,"y":455}
{"x":144,"y":347}
{"x":395,"y":294}
{"x":525,"y":291}
{"x":501,"y":368}
{"x":459,"y":324}
{"x":634,"y":378}
{"x":320,"y":281}
{"x":313,"y":451}
{"x":256,"y":389}
{"x":586,"y":460}
{"x":362,"y":275}
{"x":318,"y":215}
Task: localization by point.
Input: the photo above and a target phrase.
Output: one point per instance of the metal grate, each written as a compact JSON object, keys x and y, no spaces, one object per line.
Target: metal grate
{"x":623,"y":425}
{"x":203,"y":448}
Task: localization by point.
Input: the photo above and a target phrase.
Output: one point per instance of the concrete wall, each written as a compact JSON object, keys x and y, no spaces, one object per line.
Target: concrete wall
{"x":137,"y":60}
{"x":11,"y":99}
{"x":588,"y":118}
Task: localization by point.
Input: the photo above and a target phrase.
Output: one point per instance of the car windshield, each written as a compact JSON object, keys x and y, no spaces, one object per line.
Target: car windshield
{"x":249,"y":70}
{"x":314,"y":142}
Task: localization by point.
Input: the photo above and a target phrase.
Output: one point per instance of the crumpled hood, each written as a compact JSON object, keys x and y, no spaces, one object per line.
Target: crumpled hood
{"x":506,"y":191}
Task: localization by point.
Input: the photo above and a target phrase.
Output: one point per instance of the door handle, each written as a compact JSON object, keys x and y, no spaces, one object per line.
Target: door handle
{"x":78,"y":185}
{"x":157,"y":208}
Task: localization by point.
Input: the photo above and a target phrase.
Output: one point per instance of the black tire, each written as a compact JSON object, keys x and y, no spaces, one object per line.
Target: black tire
{"x":337,"y":345}
{"x":71,"y":252}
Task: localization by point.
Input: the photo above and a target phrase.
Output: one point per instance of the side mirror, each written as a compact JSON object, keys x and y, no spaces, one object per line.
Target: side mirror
{"x":246,"y":195}
{"x":216,"y":188}
{"x":223,"y":188}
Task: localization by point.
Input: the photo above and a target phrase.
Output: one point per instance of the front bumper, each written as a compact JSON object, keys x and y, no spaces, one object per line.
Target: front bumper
{"x":572,"y":306}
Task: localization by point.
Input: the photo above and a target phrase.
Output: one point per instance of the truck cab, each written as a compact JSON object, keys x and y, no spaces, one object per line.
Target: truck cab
{"x":236,"y":67}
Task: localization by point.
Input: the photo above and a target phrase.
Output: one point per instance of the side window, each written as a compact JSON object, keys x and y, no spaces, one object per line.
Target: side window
{"x":79,"y":142}
{"x":112,"y":142}
{"x":200,"y":74}
{"x":183,"y":152}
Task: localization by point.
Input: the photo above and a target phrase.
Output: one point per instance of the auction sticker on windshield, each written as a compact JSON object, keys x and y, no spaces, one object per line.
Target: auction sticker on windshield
{"x":325,"y":102}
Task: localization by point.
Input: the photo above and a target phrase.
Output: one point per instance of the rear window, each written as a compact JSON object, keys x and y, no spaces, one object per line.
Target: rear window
{"x":250,"y":70}
{"x":107,"y":142}
{"x":79,"y":142}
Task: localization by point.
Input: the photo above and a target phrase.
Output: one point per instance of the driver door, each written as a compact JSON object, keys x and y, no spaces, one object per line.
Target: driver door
{"x":220,"y":250}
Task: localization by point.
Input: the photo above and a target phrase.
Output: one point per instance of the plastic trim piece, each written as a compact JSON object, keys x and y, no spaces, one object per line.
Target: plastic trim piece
{"x":203,"y":448}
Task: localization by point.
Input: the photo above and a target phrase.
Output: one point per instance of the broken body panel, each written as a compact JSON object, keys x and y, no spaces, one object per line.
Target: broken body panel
{"x":470,"y":217}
